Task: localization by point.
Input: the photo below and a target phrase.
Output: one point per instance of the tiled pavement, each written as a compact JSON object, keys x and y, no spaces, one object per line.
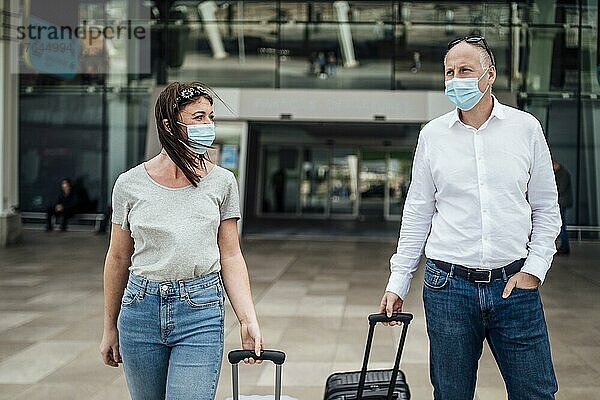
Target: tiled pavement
{"x":312,"y":298}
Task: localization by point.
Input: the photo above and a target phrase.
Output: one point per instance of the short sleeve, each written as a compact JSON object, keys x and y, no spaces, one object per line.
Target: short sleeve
{"x":120,"y":205}
{"x":230,"y":206}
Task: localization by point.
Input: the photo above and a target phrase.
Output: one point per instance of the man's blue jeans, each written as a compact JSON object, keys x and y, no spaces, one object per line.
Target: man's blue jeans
{"x":461,"y":315}
{"x":171,"y":337}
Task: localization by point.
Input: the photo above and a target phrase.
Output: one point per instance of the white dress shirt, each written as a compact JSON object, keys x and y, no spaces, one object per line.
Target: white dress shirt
{"x":481,"y":198}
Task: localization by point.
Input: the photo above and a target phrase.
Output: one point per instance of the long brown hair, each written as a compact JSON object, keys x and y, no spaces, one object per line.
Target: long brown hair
{"x":169,"y":104}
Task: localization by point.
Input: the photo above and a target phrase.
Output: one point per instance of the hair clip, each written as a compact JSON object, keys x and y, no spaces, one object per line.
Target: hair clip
{"x":191,"y":93}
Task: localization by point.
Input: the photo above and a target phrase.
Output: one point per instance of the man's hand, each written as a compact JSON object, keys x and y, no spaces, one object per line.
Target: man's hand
{"x":59,"y":208}
{"x":391,"y":303}
{"x":521,"y":280}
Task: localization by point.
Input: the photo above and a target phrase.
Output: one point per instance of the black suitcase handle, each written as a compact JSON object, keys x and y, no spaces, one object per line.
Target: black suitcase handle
{"x":398,"y":317}
{"x":405,"y":318}
{"x":277,"y":357}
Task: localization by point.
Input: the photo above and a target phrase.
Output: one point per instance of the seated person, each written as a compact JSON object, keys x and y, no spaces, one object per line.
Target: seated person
{"x":65,"y":206}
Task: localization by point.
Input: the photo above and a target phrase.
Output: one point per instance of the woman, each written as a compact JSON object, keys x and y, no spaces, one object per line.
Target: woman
{"x":174,"y":246}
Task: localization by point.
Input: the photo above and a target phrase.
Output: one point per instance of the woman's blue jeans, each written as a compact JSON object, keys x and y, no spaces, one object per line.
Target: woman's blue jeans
{"x":461,"y":315}
{"x":171,"y":337}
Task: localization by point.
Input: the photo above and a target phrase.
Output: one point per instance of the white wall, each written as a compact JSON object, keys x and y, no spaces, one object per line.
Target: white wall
{"x":331,"y":105}
{"x":317,"y":105}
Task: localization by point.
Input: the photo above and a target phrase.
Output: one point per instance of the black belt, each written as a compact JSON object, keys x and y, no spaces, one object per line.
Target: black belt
{"x":478,"y":275}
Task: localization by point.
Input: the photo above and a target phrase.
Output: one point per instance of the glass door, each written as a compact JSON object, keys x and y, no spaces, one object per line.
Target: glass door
{"x":372,"y":186}
{"x":334,"y":182}
{"x":344,"y":182}
{"x":280,"y":180}
{"x":398,"y":180}
{"x":314,"y":183}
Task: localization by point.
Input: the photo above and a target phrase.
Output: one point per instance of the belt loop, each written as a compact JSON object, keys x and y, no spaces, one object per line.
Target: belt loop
{"x":182,"y":291}
{"x":451,"y":270}
{"x":504,"y":276}
{"x":144,"y":288}
{"x":221,"y":281}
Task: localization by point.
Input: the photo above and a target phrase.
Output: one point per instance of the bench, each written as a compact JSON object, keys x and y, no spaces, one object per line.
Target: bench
{"x":96,"y":218}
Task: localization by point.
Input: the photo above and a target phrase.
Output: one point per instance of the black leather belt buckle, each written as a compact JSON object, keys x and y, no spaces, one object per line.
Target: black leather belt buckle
{"x":488,"y":279}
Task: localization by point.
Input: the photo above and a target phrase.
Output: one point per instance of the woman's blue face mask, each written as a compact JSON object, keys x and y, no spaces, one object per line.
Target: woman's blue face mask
{"x":200,"y":136}
{"x":464,"y":92}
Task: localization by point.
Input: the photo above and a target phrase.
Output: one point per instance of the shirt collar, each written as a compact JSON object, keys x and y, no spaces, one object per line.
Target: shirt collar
{"x":497,"y":111}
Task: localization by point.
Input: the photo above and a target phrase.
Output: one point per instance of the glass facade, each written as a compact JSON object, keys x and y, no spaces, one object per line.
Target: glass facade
{"x":560,"y":86}
{"x":93,"y":124}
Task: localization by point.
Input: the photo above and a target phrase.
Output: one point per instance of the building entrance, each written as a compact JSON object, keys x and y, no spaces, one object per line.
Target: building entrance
{"x":361,"y":175}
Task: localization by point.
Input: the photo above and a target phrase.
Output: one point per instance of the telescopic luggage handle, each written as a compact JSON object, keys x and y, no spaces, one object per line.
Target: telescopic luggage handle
{"x":398,"y":317}
{"x":405,"y":318}
{"x":276,"y":356}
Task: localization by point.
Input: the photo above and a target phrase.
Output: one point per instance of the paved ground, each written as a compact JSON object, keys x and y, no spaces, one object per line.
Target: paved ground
{"x":312,"y":298}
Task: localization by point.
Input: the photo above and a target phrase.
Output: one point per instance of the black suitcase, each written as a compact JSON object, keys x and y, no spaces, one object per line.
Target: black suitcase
{"x":373,"y":384}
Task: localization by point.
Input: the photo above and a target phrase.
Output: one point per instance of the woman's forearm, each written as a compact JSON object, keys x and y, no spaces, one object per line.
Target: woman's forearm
{"x":116,"y":273}
{"x":237,"y":286}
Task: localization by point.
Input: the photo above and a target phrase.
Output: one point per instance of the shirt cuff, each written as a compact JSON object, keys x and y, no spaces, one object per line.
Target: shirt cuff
{"x":536,"y":266}
{"x":399,"y":284}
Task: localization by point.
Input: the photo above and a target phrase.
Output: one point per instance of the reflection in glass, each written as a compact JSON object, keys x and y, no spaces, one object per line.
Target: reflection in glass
{"x":398,"y":177}
{"x":280,"y":180}
{"x":227,"y":146}
{"x":589,"y":164}
{"x":60,"y":137}
{"x":372,"y":184}
{"x":314,"y":186}
{"x":316,"y":12}
{"x":228,"y":46}
{"x":338,"y":45}
{"x":313,"y":56}
{"x":344,"y":181}
{"x":426,"y":28}
{"x":590,"y":74}
{"x":559,"y":116}
{"x":545,"y":71}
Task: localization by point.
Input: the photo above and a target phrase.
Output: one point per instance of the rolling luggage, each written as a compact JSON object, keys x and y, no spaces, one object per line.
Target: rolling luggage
{"x":372,"y":384}
{"x":277,"y":357}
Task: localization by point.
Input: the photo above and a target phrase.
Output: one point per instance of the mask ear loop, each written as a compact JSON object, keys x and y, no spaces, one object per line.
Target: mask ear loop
{"x":488,"y":85}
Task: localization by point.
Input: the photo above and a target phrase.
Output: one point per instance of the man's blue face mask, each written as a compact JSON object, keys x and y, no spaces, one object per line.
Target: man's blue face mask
{"x":464,"y":92}
{"x":200,"y":136}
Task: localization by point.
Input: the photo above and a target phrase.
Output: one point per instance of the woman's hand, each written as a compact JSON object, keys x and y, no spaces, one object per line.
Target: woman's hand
{"x":109,"y":348}
{"x":251,"y":339}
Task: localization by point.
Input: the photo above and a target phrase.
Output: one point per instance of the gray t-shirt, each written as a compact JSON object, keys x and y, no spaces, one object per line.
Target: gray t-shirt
{"x":174,"y":230}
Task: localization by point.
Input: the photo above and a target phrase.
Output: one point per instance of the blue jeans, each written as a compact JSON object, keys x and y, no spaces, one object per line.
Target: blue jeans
{"x":461,"y":315}
{"x":171,"y":337}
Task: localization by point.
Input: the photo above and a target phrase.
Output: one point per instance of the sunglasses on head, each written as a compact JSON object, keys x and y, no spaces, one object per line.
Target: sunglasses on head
{"x":473,"y":40}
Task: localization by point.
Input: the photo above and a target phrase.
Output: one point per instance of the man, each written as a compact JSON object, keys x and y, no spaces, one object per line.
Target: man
{"x":65,"y":206}
{"x":483,"y":205}
{"x":565,"y":200}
